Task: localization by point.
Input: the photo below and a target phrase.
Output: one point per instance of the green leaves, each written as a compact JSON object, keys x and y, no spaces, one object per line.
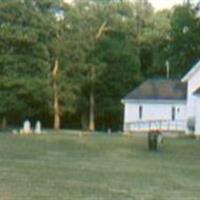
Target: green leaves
{"x":102,"y":47}
{"x":184,"y":46}
{"x":24,"y":61}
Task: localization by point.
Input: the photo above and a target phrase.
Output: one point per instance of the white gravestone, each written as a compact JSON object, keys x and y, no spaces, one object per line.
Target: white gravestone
{"x":38,"y":127}
{"x":27,"y":127}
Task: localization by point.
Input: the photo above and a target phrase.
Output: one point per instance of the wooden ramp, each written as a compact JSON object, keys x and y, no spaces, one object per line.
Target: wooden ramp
{"x":162,"y":125}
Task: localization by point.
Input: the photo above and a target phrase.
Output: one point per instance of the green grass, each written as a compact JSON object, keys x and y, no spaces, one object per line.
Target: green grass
{"x":100,"y":167}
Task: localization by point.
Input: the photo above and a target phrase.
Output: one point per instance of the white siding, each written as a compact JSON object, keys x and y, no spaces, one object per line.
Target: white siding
{"x":193,"y":102}
{"x":153,"y":111}
{"x":193,"y":85}
{"x":197,"y":118}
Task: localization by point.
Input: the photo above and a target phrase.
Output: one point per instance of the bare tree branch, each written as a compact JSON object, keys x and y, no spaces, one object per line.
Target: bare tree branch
{"x":55,"y":69}
{"x":101,"y":30}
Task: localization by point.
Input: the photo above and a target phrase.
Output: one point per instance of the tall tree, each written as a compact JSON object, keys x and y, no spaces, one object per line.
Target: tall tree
{"x":99,"y":25}
{"x":24,"y":61}
{"x":143,"y":13}
{"x":154,"y":44}
{"x":88,"y":28}
{"x":184,"y":46}
{"x":56,"y":14}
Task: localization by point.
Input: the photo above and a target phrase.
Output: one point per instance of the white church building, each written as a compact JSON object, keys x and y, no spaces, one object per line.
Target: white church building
{"x":167,"y":105}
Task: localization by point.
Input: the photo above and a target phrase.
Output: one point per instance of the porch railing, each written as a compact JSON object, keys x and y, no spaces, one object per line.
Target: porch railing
{"x":163,"y":125}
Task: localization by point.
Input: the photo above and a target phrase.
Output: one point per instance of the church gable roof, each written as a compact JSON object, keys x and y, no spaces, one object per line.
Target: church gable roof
{"x":191,"y":72}
{"x":159,"y":89}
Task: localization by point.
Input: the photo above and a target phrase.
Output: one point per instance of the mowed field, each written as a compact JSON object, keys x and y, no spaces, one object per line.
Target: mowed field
{"x":98,"y":167}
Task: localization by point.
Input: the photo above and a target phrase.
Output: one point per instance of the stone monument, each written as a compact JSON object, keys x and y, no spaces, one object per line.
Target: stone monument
{"x":38,"y":127}
{"x":27,"y":127}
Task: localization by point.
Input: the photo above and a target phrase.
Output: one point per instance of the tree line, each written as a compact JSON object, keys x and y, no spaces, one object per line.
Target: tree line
{"x":69,"y":65}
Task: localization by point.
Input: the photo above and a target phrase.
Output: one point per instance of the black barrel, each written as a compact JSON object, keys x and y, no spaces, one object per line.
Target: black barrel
{"x":154,"y":139}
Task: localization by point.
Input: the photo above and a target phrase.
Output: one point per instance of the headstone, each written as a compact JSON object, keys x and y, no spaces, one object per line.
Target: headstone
{"x":109,"y":131}
{"x":27,"y":127}
{"x":38,"y":127}
{"x":15,"y":132}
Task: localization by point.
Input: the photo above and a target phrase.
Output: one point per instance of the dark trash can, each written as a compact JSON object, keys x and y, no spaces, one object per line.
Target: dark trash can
{"x":154,"y":140}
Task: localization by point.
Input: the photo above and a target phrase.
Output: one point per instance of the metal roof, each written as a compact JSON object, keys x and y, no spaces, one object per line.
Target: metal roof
{"x":159,"y":89}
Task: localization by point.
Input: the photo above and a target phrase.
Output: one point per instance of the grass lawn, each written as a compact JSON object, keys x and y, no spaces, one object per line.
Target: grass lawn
{"x":99,"y":167}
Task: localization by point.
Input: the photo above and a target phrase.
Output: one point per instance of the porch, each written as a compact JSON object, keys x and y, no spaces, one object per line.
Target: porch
{"x":162,"y":125}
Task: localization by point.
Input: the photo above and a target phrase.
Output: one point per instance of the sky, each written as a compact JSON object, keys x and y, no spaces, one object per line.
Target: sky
{"x":161,"y":4}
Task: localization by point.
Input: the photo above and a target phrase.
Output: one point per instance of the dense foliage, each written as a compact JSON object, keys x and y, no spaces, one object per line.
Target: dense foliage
{"x":73,"y":63}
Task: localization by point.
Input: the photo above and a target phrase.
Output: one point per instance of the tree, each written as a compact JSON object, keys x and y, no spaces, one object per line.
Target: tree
{"x":143,"y":13}
{"x":24,"y":62}
{"x":88,"y":28}
{"x":57,"y":15}
{"x":121,"y":74}
{"x":154,"y":43}
{"x":100,"y":53}
{"x":184,"y":47}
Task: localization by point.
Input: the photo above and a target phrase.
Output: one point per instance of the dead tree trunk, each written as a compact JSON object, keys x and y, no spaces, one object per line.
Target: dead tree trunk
{"x":91,"y":127}
{"x":91,"y":112}
{"x":4,"y":122}
{"x":84,"y":121}
{"x":56,"y":105}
